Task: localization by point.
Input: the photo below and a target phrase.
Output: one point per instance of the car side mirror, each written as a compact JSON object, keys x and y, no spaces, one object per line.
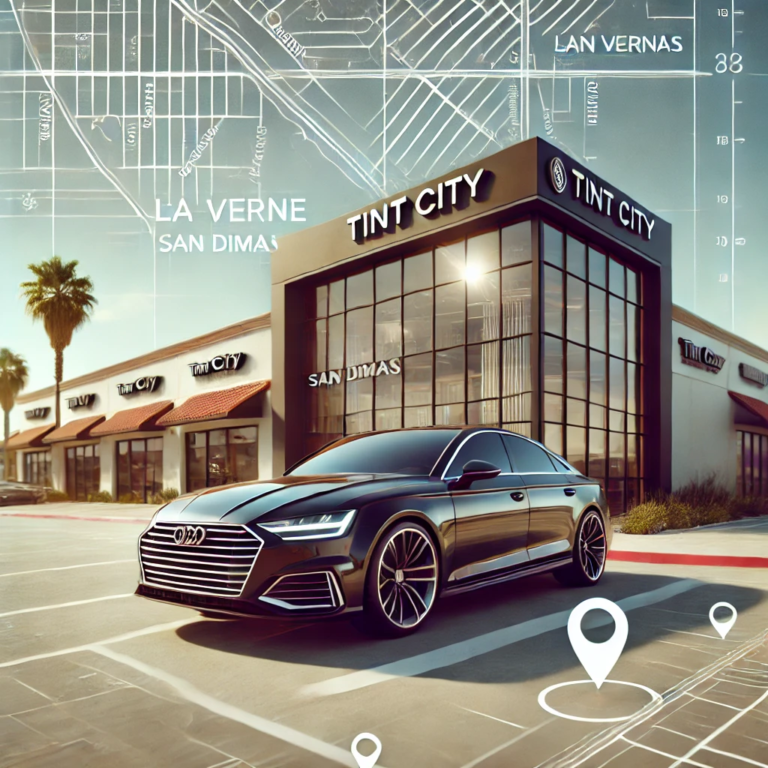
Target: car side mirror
{"x":472,"y":471}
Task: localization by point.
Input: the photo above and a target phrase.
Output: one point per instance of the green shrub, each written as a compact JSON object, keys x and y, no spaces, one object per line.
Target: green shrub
{"x":130,"y":498}
{"x":164,"y":496}
{"x":54,"y":495}
{"x":105,"y":497}
{"x":748,"y":506}
{"x":709,"y":492}
{"x":698,"y":502}
{"x":649,"y":517}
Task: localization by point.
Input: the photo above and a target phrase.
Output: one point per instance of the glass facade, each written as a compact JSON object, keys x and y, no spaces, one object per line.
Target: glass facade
{"x":592,"y":364}
{"x":37,"y":468}
{"x":83,"y":471}
{"x":221,"y":456}
{"x":451,"y":326}
{"x":751,"y":464}
{"x":444,"y":337}
{"x":140,"y":468}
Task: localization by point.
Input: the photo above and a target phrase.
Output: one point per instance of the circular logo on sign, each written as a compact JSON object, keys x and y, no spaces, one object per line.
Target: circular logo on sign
{"x":557,"y":174}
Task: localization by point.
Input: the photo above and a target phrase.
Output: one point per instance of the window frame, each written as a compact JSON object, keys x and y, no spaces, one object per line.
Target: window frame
{"x":207,"y":432}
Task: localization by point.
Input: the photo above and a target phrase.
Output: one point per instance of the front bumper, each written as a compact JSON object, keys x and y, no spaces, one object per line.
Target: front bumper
{"x":246,"y":571}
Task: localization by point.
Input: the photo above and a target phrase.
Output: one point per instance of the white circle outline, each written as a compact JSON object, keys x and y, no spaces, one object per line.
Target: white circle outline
{"x":543,"y":701}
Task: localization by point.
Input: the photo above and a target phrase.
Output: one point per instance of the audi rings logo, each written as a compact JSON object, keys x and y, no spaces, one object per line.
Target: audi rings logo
{"x":189,"y":535}
{"x":557,"y":174}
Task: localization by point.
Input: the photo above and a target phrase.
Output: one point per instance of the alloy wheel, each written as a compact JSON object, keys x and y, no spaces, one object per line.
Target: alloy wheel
{"x":407,"y":577}
{"x":592,"y":546}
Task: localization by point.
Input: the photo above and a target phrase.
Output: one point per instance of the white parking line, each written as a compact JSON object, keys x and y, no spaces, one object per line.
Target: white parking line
{"x":68,"y":567}
{"x":505,"y":745}
{"x":477,"y":646}
{"x":65,"y":605}
{"x":722,"y":729}
{"x":231,"y":712}
{"x":117,"y":639}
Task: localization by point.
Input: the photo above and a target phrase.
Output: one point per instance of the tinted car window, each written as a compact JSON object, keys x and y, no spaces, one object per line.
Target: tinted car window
{"x":402,"y":453}
{"x":486,"y":446}
{"x":560,"y":466}
{"x":526,"y":456}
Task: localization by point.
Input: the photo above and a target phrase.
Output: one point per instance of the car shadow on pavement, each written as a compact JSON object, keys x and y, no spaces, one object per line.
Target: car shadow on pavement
{"x":465,"y":618}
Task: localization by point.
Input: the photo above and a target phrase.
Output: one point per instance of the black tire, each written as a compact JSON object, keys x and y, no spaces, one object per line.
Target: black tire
{"x":402,"y":582}
{"x":589,"y":553}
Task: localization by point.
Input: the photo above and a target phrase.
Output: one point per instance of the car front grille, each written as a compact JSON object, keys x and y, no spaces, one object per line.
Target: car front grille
{"x":217,"y":563}
{"x":305,"y":591}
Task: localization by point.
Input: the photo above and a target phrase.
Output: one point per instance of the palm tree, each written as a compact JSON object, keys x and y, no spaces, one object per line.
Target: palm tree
{"x":63,"y":301}
{"x":13,"y":378}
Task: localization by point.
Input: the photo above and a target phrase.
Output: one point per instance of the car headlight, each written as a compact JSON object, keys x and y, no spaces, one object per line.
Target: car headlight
{"x":330,"y":525}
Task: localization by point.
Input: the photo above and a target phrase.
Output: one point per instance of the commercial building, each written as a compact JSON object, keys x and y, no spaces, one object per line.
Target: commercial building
{"x":719,"y":406}
{"x":522,"y":291}
{"x":189,"y":416}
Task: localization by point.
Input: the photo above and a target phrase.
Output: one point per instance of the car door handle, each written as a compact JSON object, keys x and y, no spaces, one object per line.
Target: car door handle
{"x":569,"y":491}
{"x":517,"y":495}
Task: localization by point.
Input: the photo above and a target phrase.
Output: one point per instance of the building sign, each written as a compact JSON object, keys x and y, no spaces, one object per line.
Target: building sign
{"x":37,"y":413}
{"x":441,"y":199}
{"x":143,"y":384}
{"x":218,"y":363}
{"x":750,"y":373}
{"x":591,"y":193}
{"x":80,"y":401}
{"x":354,"y":372}
{"x":700,"y":357}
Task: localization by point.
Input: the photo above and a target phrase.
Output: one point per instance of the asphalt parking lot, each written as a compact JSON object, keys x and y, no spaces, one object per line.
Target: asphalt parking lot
{"x":91,"y":675}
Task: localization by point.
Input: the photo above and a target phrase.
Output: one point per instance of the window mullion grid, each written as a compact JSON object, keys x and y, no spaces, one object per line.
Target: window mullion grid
{"x":500,"y":337}
{"x":626,"y":390}
{"x":207,"y":459}
{"x":402,"y":342}
{"x":564,"y":344}
{"x":344,"y":364}
{"x":466,"y":328}
{"x":433,"y":405}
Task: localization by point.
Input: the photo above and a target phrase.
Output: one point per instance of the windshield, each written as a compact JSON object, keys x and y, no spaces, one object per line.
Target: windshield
{"x":401,"y":453}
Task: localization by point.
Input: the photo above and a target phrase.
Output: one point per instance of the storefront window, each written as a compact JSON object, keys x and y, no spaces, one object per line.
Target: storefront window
{"x":752,"y":464}
{"x":600,"y":428}
{"x":457,"y":321}
{"x":83,"y":471}
{"x":37,"y":468}
{"x":140,"y":468}
{"x":221,"y":456}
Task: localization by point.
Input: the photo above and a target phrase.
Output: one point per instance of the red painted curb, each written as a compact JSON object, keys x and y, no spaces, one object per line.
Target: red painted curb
{"x":78,"y":517}
{"x":672,"y":558}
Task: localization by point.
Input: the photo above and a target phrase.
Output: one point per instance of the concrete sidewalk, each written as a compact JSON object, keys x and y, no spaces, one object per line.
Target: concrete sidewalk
{"x":741,"y":543}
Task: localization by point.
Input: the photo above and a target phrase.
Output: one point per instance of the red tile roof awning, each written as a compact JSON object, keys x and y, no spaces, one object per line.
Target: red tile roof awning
{"x":756,"y":407}
{"x":29,"y":438}
{"x":78,"y":429}
{"x":141,"y":419}
{"x":238,"y":402}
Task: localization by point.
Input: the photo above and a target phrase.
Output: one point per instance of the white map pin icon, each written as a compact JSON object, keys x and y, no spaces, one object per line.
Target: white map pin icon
{"x":366,"y":761}
{"x":722,"y":627}
{"x":598,"y":659}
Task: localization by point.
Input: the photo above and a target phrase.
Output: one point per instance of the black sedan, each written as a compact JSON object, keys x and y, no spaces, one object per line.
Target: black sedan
{"x":20,"y":493}
{"x":379,"y":525}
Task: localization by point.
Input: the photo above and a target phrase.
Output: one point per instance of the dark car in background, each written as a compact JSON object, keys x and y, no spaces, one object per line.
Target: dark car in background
{"x":21,"y":493}
{"x":379,"y":525}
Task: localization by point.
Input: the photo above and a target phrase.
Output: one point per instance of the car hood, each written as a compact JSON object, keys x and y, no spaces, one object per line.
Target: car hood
{"x":244,"y":502}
